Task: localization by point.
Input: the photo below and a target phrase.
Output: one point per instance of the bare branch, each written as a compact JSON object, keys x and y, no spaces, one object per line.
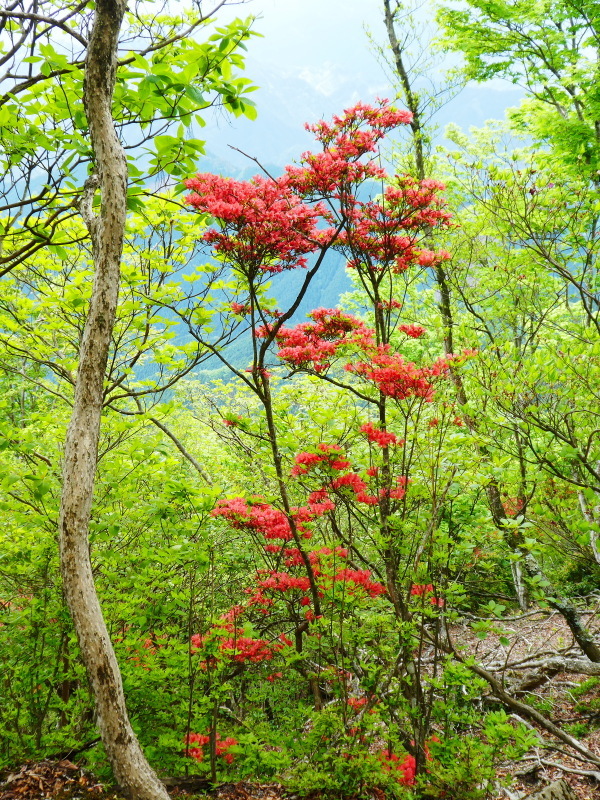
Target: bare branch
{"x":179,"y":445}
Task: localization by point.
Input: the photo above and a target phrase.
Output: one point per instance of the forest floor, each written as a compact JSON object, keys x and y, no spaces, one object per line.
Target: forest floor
{"x":537,"y":633}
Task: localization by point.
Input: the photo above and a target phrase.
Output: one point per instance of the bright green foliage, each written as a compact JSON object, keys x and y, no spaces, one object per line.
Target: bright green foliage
{"x":551,"y":48}
{"x":148,"y":505}
{"x":150,"y":552}
{"x":167,"y":76}
{"x":361,"y":683}
{"x":526,"y":289}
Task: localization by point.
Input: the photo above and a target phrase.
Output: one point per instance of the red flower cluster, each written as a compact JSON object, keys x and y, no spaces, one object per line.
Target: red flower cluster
{"x":390,"y":305}
{"x":274,"y":676}
{"x":395,"y":377}
{"x":263,"y":518}
{"x":243,"y":648}
{"x":319,"y":502}
{"x":283,"y":582}
{"x":314,"y":346}
{"x":327,"y":455}
{"x":199,"y":739}
{"x":399,"y":492}
{"x":414,"y":331}
{"x":377,"y":436}
{"x":236,"y":647}
{"x":383,"y":235}
{"x":233,"y":420}
{"x":264,"y":225}
{"x":317,"y":343}
{"x":345,"y":141}
{"x":362,"y":578}
{"x":417,"y":589}
{"x":424,"y":589}
{"x":294,"y":557}
{"x":429,"y":258}
{"x":405,"y":767}
{"x":380,"y":119}
{"x":356,"y":703}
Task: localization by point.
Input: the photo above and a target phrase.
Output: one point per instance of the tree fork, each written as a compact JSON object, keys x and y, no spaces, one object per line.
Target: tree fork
{"x":132,"y":771}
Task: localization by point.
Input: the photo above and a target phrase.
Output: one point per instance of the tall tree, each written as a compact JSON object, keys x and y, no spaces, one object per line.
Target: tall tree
{"x":530,"y":59}
{"x":541,"y":205}
{"x":131,"y":769}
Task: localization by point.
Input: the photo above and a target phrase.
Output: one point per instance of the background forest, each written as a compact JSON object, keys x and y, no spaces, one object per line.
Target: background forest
{"x":349,"y":420}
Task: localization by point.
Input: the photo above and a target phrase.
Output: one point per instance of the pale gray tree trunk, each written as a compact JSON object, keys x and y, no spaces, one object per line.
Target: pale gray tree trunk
{"x":520,"y":585}
{"x":130,"y":767}
{"x":559,"y":790}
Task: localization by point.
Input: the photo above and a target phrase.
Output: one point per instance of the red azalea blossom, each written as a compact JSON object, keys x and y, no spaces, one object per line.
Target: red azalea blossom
{"x":346,"y":140}
{"x":420,"y":590}
{"x":283,"y":582}
{"x":263,"y":518}
{"x":405,"y":766}
{"x":357,"y":703}
{"x":265,"y":226}
{"x":398,"y":378}
{"x":414,"y":331}
{"x":222,"y":746}
{"x":376,"y":435}
{"x":428,"y":258}
{"x":274,"y":676}
{"x":417,"y":589}
{"x":351,"y":480}
{"x":384,"y":234}
{"x":236,"y":647}
{"x":327,"y":455}
{"x":388,"y":305}
{"x":316,"y":343}
{"x":362,"y":578}
{"x":233,"y":420}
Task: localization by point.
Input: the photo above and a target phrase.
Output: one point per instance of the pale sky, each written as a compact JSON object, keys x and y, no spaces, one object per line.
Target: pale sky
{"x":313,"y":61}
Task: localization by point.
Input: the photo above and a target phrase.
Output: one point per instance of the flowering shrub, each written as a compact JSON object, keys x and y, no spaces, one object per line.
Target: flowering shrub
{"x":426,"y":590}
{"x":329,"y":606}
{"x":222,"y":746}
{"x":404,"y":767}
{"x":377,"y":436}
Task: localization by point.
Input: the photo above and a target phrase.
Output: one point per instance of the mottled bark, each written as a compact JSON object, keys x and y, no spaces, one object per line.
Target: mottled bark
{"x":130,"y":767}
{"x":558,"y":790}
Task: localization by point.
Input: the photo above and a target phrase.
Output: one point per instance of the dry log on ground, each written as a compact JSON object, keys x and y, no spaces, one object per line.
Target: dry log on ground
{"x":559,"y":790}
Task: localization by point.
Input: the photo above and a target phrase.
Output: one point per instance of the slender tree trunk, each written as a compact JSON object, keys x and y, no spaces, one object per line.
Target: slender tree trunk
{"x":130,"y":767}
{"x":520,"y":586}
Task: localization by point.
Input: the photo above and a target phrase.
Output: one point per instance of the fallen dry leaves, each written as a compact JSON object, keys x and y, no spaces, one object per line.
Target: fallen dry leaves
{"x":58,"y":780}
